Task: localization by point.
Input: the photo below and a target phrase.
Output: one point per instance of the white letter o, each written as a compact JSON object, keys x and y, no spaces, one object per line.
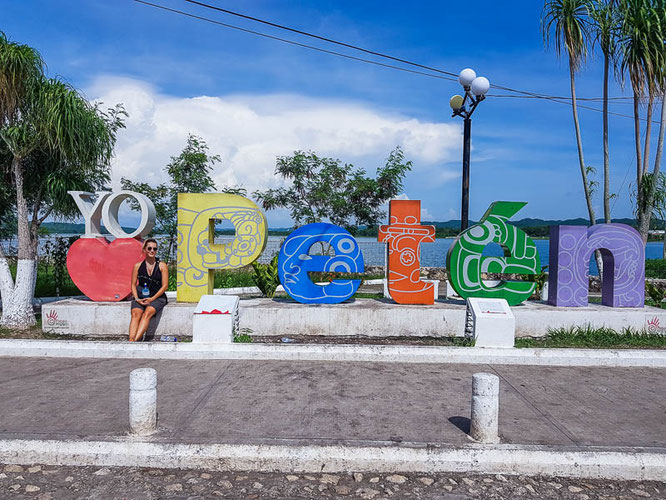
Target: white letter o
{"x":110,"y":214}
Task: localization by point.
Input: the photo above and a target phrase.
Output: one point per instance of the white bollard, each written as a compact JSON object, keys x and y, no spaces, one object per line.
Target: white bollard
{"x":484,"y":424}
{"x":143,"y":401}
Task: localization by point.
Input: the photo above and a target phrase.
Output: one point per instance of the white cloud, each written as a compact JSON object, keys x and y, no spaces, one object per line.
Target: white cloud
{"x":426,"y":215}
{"x":249,"y":131}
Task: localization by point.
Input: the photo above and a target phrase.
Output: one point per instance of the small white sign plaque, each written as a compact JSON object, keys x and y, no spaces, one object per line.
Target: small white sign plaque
{"x":492,"y":307}
{"x":494,"y":324}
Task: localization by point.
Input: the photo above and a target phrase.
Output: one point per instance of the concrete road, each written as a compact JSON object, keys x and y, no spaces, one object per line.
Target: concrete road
{"x":326,"y":402}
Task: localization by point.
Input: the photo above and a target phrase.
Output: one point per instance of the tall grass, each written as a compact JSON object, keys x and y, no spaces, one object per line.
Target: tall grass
{"x":588,"y":336}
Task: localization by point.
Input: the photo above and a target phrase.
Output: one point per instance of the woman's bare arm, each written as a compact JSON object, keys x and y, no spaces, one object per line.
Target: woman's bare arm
{"x":135,"y":277}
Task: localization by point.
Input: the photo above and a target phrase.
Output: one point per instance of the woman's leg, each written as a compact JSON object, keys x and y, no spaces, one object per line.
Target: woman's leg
{"x":134,"y":323}
{"x":145,"y":320}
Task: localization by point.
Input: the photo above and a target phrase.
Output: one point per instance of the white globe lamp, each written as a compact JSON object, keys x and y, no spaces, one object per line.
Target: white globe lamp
{"x":480,"y":86}
{"x":466,"y":77}
{"x":456,"y":102}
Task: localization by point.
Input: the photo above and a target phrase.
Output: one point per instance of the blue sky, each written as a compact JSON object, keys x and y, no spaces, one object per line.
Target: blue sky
{"x":253,"y":99}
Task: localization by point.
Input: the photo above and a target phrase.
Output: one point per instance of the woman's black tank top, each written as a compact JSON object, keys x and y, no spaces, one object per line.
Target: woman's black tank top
{"x":153,"y":281}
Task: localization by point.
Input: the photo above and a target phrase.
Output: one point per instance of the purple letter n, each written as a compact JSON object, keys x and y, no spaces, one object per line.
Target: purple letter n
{"x":623,"y":254}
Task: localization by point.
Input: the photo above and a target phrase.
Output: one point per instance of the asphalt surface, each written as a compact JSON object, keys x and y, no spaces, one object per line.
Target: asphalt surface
{"x":259,"y":402}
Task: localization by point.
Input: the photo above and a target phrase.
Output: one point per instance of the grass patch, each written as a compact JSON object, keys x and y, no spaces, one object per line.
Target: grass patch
{"x":243,"y":336}
{"x":225,"y":278}
{"x":596,"y":338}
{"x":34,"y":332}
{"x":46,"y":284}
{"x":368,"y":295}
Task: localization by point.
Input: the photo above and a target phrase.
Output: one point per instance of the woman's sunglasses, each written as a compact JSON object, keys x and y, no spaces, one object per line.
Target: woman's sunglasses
{"x":151,"y":249}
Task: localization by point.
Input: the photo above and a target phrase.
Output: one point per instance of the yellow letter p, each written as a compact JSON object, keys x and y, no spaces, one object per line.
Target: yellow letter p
{"x":198,"y":255}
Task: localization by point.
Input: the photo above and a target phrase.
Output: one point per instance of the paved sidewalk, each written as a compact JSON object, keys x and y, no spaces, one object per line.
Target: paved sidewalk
{"x":278,"y":402}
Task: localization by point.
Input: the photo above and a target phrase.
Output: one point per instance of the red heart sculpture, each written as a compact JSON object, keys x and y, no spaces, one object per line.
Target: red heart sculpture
{"x":103,"y":270}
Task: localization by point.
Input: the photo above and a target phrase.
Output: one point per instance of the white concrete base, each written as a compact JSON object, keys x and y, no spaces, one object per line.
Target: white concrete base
{"x":639,"y":358}
{"x":215,"y":319}
{"x":451,"y":294}
{"x":484,"y":421}
{"x":593,"y":463}
{"x":493,"y":323}
{"x":143,"y":401}
{"x":363,"y":317}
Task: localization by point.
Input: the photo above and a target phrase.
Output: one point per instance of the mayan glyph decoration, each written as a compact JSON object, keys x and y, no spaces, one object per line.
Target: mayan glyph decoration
{"x":403,"y":237}
{"x":198,"y":256}
{"x":295,"y":262}
{"x":623,"y":254}
{"x":465,"y":261}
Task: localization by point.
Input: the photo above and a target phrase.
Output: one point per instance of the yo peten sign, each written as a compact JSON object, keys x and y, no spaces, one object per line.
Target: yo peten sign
{"x":104,"y":268}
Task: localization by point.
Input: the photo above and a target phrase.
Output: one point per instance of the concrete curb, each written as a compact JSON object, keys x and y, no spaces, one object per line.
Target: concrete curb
{"x":334,"y":352}
{"x":598,"y":463}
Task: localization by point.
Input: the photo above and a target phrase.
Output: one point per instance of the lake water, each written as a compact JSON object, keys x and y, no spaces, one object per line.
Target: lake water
{"x":432,"y":254}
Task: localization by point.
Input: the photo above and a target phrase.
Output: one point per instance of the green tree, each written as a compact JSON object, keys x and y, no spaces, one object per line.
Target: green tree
{"x":189,"y":172}
{"x":57,"y":141}
{"x":568,"y":23}
{"x":324,"y":188}
{"x":642,"y":60}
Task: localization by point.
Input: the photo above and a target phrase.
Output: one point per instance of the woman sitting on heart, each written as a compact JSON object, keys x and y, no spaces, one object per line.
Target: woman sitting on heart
{"x":150,"y":279}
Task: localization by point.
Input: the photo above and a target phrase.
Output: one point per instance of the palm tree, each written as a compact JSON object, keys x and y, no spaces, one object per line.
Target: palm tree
{"x":604,"y":19}
{"x":653,"y":197}
{"x":56,"y":140}
{"x":642,"y":53}
{"x":567,"y":22}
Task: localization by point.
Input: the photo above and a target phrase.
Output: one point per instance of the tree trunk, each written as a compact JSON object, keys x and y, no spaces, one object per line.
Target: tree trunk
{"x":607,"y":214}
{"x":639,"y":154}
{"x":581,"y":160}
{"x":644,"y":219}
{"x":17,"y":310}
{"x":6,"y":280}
{"x":648,"y":133}
{"x":579,"y":143}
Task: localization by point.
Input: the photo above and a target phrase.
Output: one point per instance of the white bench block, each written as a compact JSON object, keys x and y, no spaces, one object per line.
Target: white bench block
{"x":493,"y":323}
{"x":215,"y":319}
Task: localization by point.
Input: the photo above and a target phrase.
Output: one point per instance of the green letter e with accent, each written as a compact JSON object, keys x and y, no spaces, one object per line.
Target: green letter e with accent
{"x":465,"y":262}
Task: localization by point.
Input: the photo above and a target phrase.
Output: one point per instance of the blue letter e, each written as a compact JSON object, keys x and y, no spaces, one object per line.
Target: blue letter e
{"x":295,"y":262}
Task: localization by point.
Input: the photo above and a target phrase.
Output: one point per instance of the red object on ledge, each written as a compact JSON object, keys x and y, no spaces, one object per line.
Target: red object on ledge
{"x":214,"y":311}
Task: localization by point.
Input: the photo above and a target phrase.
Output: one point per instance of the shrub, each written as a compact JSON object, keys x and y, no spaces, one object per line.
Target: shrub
{"x":266,"y":277}
{"x":655,"y":268}
{"x":656,"y":294}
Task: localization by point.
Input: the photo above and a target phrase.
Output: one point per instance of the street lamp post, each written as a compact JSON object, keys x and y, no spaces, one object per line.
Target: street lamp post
{"x":475,"y":92}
